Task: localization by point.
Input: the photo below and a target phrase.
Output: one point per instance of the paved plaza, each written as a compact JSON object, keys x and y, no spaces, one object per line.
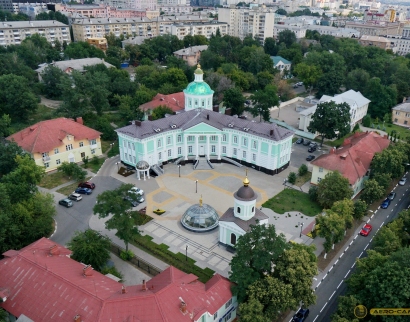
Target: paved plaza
{"x":176,"y":191}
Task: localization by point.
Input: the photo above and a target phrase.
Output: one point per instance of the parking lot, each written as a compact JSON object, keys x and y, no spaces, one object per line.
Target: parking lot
{"x":300,"y":153}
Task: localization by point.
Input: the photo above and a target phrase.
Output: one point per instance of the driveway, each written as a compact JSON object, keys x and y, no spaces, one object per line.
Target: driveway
{"x":300,"y":153}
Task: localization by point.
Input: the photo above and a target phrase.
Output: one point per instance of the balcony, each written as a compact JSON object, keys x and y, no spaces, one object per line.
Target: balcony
{"x":93,"y":146}
{"x":46,"y":158}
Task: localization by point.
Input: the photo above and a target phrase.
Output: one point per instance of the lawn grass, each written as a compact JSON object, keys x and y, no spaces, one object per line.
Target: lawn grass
{"x":114,"y":151}
{"x":293,"y":200}
{"x":70,"y":188}
{"x":402,"y":131}
{"x":105,"y":145}
{"x":300,"y":181}
{"x":52,"y":180}
{"x":94,"y":164}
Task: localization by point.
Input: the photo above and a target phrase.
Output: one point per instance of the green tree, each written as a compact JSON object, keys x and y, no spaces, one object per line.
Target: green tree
{"x":329,"y":83}
{"x":51,"y":15}
{"x":80,"y":49}
{"x":391,"y":159}
{"x":360,"y":208}
{"x":270,"y":46}
{"x":160,"y":111}
{"x":330,"y":118}
{"x":16,"y":97}
{"x":332,"y":228}
{"x":234,"y":100}
{"x":263,"y":100}
{"x":287,"y":37}
{"x":309,"y":74}
{"x":5,"y":122}
{"x":264,"y":78}
{"x":357,"y":80}
{"x":382,"y":98}
{"x":388,"y":240}
{"x":51,"y":78}
{"x":303,"y":169}
{"x":371,"y":192}
{"x":90,"y":247}
{"x":219,"y":83}
{"x":344,"y":208}
{"x":292,"y":177}
{"x":123,"y":219}
{"x":367,"y":120}
{"x":71,"y":169}
{"x":345,"y":309}
{"x":383,"y":179}
{"x":333,"y":187}
{"x":256,"y":254}
{"x":252,"y":311}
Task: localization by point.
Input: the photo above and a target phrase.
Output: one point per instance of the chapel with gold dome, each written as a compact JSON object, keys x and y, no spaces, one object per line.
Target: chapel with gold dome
{"x":236,"y":221}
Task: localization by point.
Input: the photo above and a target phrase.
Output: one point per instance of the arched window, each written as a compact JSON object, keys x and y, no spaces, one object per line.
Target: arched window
{"x":238,"y":210}
{"x":233,"y":239}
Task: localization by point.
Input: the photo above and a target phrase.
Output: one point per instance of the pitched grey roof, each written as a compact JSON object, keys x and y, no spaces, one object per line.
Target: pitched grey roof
{"x":188,"y":119}
{"x":31,"y":24}
{"x":244,"y":224}
{"x":77,"y":64}
{"x":191,"y":50}
{"x":405,"y":107}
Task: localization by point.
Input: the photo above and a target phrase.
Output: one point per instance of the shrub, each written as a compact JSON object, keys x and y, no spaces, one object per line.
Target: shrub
{"x":313,"y":193}
{"x":159,"y":212}
{"x":112,"y":270}
{"x":367,"y":120}
{"x":126,"y":255}
{"x":94,"y":160}
{"x":356,"y":127}
{"x":85,"y":161}
{"x":292,"y":177}
{"x":303,"y":170}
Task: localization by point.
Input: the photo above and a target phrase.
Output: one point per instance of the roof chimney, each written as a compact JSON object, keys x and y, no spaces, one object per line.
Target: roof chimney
{"x":79,"y":120}
{"x":87,"y":271}
{"x":144,"y":286}
{"x":207,"y":117}
{"x":54,"y":250}
{"x":123,"y":290}
{"x":271,"y":132}
{"x":182,"y":306}
{"x":137,"y":123}
{"x":77,"y":318}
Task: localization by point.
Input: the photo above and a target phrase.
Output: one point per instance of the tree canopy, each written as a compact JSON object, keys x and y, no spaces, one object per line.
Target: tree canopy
{"x":333,"y":187}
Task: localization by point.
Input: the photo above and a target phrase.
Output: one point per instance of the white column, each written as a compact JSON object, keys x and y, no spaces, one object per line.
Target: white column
{"x":219,"y":146}
{"x":197,"y":146}
{"x":208,"y":139}
{"x":186,"y":147}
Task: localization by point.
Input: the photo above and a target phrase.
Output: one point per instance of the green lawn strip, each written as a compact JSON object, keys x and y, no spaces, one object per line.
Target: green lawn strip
{"x":142,"y":219}
{"x":292,"y":200}
{"x":94,"y":164}
{"x":70,"y":188}
{"x":402,"y":131}
{"x":300,"y":181}
{"x":177,"y":260}
{"x":53,"y":180}
{"x":114,"y":151}
{"x":105,"y":145}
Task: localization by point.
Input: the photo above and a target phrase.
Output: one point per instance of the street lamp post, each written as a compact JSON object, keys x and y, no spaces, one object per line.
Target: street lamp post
{"x":284,"y":183}
{"x":118,"y":165}
{"x":179,"y":170}
{"x":111,"y":145}
{"x":301,"y":227}
{"x":196,"y":186}
{"x":186,"y":253}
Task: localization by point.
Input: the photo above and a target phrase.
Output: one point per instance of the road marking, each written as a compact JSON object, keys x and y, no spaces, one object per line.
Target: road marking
{"x":330,"y":269}
{"x":340,"y":283}
{"x":332,"y":295}
{"x":341,"y":255}
{"x":336,"y":262}
{"x":378,"y":208}
{"x":316,"y":318}
{"x":371,"y":239}
{"x":356,"y":236}
{"x":347,"y":248}
{"x":324,"y":277}
{"x":370,"y":210}
{"x":367,"y":221}
{"x":399,"y":199}
{"x":351,"y":242}
{"x":347,"y":273}
{"x":377,"y":230}
{"x":319,"y":284}
{"x":395,"y":206}
{"x":372,"y":216}
{"x":375,"y":211}
{"x":323,"y":307}
{"x":315,"y":278}
{"x":366,"y":246}
{"x":361,"y":254}
{"x":388,"y":216}
{"x":382,"y":224}
{"x":353,"y":264}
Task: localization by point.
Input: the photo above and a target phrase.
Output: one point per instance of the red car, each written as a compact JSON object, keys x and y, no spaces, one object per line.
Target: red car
{"x":87,"y":184}
{"x":366,"y":230}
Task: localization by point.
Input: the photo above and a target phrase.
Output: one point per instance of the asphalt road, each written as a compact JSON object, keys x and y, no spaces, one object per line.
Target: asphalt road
{"x":333,"y":284}
{"x":300,"y":153}
{"x":69,"y":220}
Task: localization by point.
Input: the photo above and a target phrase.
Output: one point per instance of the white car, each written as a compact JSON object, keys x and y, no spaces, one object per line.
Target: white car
{"x":137,"y":191}
{"x":402,"y":181}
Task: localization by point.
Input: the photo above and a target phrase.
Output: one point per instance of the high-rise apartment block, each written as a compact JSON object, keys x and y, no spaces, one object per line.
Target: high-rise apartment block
{"x":14,"y":32}
{"x":256,"y":21}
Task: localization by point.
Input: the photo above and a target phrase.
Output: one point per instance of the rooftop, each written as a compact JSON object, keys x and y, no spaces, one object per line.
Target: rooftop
{"x":277,"y":59}
{"x":31,"y":24}
{"x":77,"y":64}
{"x":375,"y":38}
{"x":353,"y":159}
{"x":107,"y":21}
{"x":43,"y":283}
{"x":175,"y":102}
{"x":188,"y":119}
{"x":405,"y":107}
{"x":191,"y":50}
{"x":47,"y":135}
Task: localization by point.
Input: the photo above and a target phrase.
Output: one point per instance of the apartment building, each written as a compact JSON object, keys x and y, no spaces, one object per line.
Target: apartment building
{"x":199,"y":28}
{"x":300,"y":31}
{"x":6,"y":5}
{"x":139,"y":26}
{"x":336,"y":32}
{"x":401,"y":114}
{"x":175,"y":8}
{"x":375,"y":28}
{"x":257,"y":21}
{"x":14,"y":32}
{"x":375,"y":41}
{"x":130,"y":4}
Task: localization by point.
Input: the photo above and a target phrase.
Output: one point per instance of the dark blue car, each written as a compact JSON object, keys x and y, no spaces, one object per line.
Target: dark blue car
{"x":301,"y":315}
{"x":84,"y":191}
{"x":385,"y":203}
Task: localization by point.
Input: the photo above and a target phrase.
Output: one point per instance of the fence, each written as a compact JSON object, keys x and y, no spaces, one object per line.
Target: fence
{"x":137,"y":261}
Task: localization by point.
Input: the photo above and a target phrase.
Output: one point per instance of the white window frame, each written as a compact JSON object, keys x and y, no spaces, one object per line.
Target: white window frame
{"x":224,"y":149}
{"x":68,"y":147}
{"x":56,"y":151}
{"x":179,"y":150}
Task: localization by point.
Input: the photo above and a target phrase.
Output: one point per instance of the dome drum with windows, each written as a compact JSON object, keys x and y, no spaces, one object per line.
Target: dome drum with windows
{"x":198,"y":93}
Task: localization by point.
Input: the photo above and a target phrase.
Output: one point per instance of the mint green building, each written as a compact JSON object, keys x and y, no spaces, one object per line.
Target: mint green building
{"x":201,"y":132}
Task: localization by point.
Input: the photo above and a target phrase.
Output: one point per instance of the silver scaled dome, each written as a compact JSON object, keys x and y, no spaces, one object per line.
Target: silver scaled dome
{"x":200,"y":218}
{"x":142,"y":165}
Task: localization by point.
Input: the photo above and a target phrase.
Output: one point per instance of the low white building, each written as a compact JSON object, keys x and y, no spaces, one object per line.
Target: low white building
{"x":336,"y":32}
{"x":357,"y":102}
{"x":300,"y":31}
{"x":281,"y":63}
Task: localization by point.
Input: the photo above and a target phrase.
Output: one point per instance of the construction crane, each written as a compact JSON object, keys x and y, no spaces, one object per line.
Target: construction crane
{"x":391,"y":14}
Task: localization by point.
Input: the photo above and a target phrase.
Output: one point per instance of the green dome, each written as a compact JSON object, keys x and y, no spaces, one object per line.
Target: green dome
{"x":198,"y":88}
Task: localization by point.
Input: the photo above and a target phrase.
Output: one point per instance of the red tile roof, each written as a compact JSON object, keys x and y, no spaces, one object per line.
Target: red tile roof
{"x":353,"y":159}
{"x":48,"y":287}
{"x":47,"y":135}
{"x":175,"y":102}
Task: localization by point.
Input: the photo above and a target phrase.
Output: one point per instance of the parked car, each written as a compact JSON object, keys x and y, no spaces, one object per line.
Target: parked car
{"x":402,"y":181}
{"x":310,"y":157}
{"x":312,"y":149}
{"x":84,"y":191}
{"x":295,"y":86}
{"x":87,"y":184}
{"x":391,"y":195}
{"x":385,"y":203}
{"x":313,"y":144}
{"x":299,"y":141}
{"x":134,"y":203}
{"x":136,"y":190}
{"x":367,"y":228}
{"x":301,"y":315}
{"x":66,"y":203}
{"x":75,"y":197}
{"x":306,"y":143}
{"x":300,"y":84}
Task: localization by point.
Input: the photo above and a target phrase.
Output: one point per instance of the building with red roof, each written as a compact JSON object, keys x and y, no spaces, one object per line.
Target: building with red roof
{"x":352,"y":159}
{"x":176,"y":102}
{"x":53,"y":142}
{"x":43,"y":283}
